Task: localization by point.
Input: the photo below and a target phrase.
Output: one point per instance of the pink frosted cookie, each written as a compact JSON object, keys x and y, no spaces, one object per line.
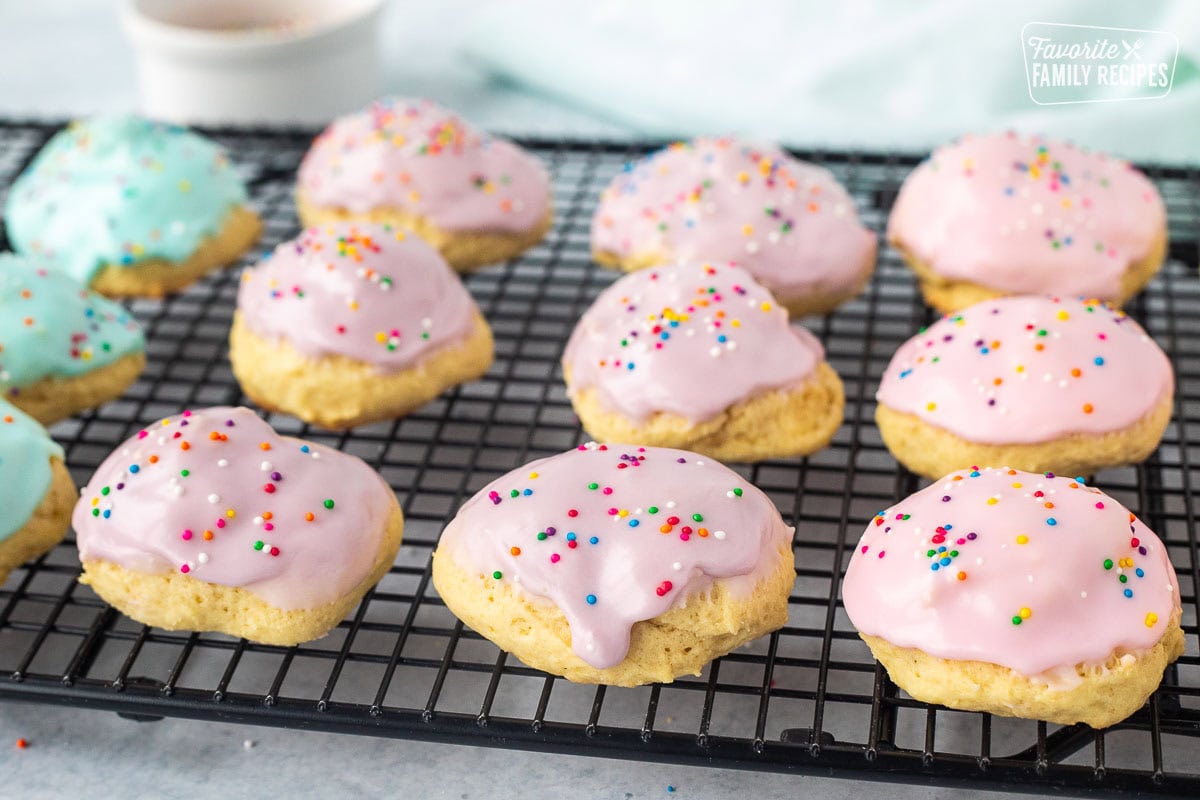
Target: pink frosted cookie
{"x":1005,"y":214}
{"x":789,"y":223}
{"x":211,"y":521}
{"x":354,"y":322}
{"x":1034,"y":383}
{"x":1019,"y":594}
{"x":618,"y":565}
{"x":702,"y":357}
{"x":478,"y":199}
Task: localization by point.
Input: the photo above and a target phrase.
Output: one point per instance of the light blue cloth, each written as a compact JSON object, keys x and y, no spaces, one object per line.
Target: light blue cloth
{"x":853,"y":74}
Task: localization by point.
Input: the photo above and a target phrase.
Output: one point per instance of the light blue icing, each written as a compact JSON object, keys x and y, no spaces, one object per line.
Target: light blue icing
{"x":25,"y":453}
{"x":118,"y":189}
{"x":51,"y":326}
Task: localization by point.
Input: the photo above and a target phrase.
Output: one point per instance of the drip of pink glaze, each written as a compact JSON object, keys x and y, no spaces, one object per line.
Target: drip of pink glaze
{"x":359,"y":290}
{"x":689,"y":340}
{"x":634,"y":570}
{"x":789,"y":223}
{"x":1028,"y":215}
{"x":1017,"y":370}
{"x":139,"y":507}
{"x":419,"y":158}
{"x":1010,"y":557}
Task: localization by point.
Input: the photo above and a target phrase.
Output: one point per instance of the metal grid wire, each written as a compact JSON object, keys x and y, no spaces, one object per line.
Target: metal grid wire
{"x":806,"y":699}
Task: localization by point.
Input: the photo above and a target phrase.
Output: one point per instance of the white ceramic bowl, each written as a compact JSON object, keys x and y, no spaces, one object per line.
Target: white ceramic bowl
{"x":247,"y":61}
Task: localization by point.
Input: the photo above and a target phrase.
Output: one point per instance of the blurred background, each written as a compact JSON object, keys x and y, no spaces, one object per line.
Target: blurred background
{"x":851,"y":74}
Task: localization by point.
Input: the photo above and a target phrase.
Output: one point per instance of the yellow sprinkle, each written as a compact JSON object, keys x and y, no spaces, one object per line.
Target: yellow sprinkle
{"x":381,"y":337}
{"x":1025,"y":613}
{"x":400,"y":237}
{"x":931,"y":407}
{"x":747,"y":230}
{"x":95,"y":501}
{"x":1151,"y":618}
{"x":993,"y":500}
{"x":737,"y":323}
{"x":766,"y":306}
{"x":1017,"y":485}
{"x":1020,"y":368}
{"x":624,"y":512}
{"x":229,"y":512}
{"x":185,"y":186}
{"x":1022,"y":539}
{"x":1063,"y":315}
{"x":533,"y":476}
{"x":354,"y":305}
{"x":743,"y":177}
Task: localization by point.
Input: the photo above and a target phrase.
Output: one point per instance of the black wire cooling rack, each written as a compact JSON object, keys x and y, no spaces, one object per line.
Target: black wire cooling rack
{"x":806,"y":699}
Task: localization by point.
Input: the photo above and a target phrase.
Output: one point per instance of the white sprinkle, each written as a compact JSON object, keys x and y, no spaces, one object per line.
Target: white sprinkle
{"x":670,"y":504}
{"x":248,"y":744}
{"x":677,"y":566}
{"x":214,"y":498}
{"x":222,"y":463}
{"x":731,"y":345}
{"x":751,"y":247}
{"x":202,"y":558}
{"x":258,"y":520}
{"x":714,"y":352}
{"x":1083,"y":595}
{"x":265,"y":466}
{"x":699,"y":463}
{"x":427,"y":323}
{"x":718,"y":535}
{"x":315,"y":454}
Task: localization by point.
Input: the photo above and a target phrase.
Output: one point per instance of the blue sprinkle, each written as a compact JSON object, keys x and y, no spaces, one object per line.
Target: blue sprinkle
{"x":570,"y":536}
{"x":945,"y":562}
{"x":942,"y":549}
{"x":633,"y":523}
{"x":591,"y":598}
{"x":134,"y":468}
{"x":674,"y":323}
{"x":905,"y":373}
{"x":1098,"y":361}
{"x":948,"y":527}
{"x":664,"y":336}
{"x":1051,"y":521}
{"x":934,"y":566}
{"x":983,"y":351}
{"x":1139,"y":572}
{"x":527,"y":492}
{"x":629,"y":365}
{"x":594,"y":540}
{"x":107,"y":513}
{"x":1129,"y":592}
{"x":303,"y":448}
{"x":721,"y":338}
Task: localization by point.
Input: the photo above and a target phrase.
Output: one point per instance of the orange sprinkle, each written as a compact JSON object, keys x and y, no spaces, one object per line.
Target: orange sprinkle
{"x":703,"y":531}
{"x":1048,"y":505}
{"x":22,"y":743}
{"x":516,"y":551}
{"x":1088,"y":408}
{"x":184,"y":446}
{"x":208,"y":535}
{"x":308,"y":516}
{"x":8,"y":418}
{"x":153,"y":459}
{"x":1076,"y":372}
{"x":268,"y":515}
{"x":1039,"y":347}
{"x":264,"y":446}
{"x":962,"y":576}
{"x":665,"y":529}
{"x":214,"y":436}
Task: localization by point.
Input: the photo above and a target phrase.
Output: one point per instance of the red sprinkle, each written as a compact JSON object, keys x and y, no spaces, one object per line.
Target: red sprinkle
{"x":663,"y":588}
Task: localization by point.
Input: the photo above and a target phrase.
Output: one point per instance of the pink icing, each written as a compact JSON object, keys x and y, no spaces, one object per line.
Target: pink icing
{"x":790,"y":223}
{"x":420,"y":158}
{"x":613,"y":536}
{"x":249,"y":491}
{"x":1028,"y":369}
{"x":1028,"y":215}
{"x":689,"y":340}
{"x":358,"y":290}
{"x":1034,"y":574}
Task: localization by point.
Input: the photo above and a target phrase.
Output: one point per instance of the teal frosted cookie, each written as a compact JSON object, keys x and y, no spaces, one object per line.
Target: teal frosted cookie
{"x":63,"y":348}
{"x":36,"y":491}
{"x":130,"y":207}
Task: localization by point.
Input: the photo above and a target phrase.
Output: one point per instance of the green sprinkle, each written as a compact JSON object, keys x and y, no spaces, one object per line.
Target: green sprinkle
{"x":497,"y":575}
{"x":513,"y":493}
{"x":1108,"y":563}
{"x":95,"y":512}
{"x":737,"y":492}
{"x":593,"y":486}
{"x":328,"y":503}
{"x":1123,"y":578}
{"x":183,"y":473}
{"x":258,"y":545}
{"x":1016,"y":620}
{"x":698,"y":517}
{"x":105,"y":491}
{"x":652,"y":510}
{"x":542,"y":536}
{"x":930,"y":553}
